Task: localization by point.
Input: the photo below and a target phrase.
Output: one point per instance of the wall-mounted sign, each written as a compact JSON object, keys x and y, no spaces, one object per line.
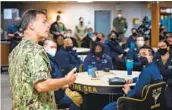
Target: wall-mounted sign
{"x":118,"y":6}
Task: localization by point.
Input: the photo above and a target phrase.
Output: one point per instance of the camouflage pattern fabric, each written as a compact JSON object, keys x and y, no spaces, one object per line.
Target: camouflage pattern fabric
{"x":29,"y":64}
{"x":120,"y":25}
{"x":80,"y":30}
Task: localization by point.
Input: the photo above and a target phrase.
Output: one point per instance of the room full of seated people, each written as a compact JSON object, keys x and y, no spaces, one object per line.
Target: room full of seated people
{"x":108,"y":52}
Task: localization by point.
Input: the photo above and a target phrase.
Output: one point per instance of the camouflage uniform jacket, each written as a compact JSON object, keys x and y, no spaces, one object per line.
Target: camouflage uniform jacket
{"x":120,"y":25}
{"x":80,"y":30}
{"x":29,"y":64}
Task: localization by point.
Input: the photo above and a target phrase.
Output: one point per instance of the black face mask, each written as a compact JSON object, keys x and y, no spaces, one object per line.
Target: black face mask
{"x":81,"y":22}
{"x":113,"y":39}
{"x":98,"y":39}
{"x":143,"y":60}
{"x":162,"y":51}
{"x":164,"y":33}
{"x":134,"y":34}
{"x":98,"y":54}
{"x":69,"y":48}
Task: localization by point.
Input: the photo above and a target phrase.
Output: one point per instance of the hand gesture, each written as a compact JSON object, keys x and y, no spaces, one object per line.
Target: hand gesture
{"x":71,"y":77}
{"x":126,"y":88}
{"x":129,"y":81}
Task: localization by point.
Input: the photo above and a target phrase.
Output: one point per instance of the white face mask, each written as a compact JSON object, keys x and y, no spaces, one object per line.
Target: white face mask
{"x":51,"y":51}
{"x":119,"y":15}
{"x":140,"y":43}
{"x":93,"y":38}
{"x":68,"y":35}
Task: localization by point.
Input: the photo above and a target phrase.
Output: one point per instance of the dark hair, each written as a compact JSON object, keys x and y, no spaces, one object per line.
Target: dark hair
{"x":90,"y":28}
{"x":162,"y":28}
{"x":95,"y":33}
{"x":56,"y":36}
{"x":95,"y":45}
{"x":169,"y":35}
{"x":80,"y":18}
{"x":101,"y":34}
{"x":134,"y":29}
{"x":141,"y":35}
{"x":165,"y":42}
{"x":29,"y":16}
{"x":151,"y":51}
{"x":69,"y":30}
{"x":58,"y":17}
{"x":113,"y":32}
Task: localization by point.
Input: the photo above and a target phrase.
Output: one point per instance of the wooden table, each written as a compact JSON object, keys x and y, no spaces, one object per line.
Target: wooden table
{"x":86,"y":84}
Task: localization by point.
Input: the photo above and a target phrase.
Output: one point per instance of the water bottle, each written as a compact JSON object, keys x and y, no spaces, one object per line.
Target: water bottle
{"x":89,"y":70}
{"x":129,"y":66}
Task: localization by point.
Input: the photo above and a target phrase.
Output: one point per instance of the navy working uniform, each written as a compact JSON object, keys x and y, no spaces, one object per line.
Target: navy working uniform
{"x":87,"y":42}
{"x":149,"y":75}
{"x":104,"y":62}
{"x":13,"y":29}
{"x":114,"y":49}
{"x":60,"y":96}
{"x":133,"y":54}
{"x":130,"y":40}
{"x":166,"y":71}
{"x":67,"y":60}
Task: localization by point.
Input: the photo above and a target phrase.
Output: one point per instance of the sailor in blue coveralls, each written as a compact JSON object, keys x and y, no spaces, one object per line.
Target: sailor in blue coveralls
{"x":149,"y":75}
{"x":67,"y":58}
{"x":164,"y":63}
{"x":134,"y":51}
{"x":115,"y":50}
{"x":50,"y":47}
{"x":97,"y":58}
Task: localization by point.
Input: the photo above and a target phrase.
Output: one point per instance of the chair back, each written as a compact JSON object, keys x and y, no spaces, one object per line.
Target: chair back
{"x":152,"y":99}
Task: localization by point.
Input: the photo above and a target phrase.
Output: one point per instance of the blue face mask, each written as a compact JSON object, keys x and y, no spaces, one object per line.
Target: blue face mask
{"x":90,"y":34}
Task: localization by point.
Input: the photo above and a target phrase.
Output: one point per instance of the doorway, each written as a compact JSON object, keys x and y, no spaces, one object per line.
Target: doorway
{"x":103,"y":21}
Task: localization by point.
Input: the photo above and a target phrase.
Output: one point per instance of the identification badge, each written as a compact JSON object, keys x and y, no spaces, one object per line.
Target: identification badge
{"x":93,"y":63}
{"x":104,"y":61}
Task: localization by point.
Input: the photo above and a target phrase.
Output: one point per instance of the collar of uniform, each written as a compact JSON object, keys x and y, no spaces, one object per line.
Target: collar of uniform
{"x":28,"y":39}
{"x":149,"y":64}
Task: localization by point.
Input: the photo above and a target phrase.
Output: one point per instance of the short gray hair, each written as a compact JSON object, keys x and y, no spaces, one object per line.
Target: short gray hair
{"x":29,"y":16}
